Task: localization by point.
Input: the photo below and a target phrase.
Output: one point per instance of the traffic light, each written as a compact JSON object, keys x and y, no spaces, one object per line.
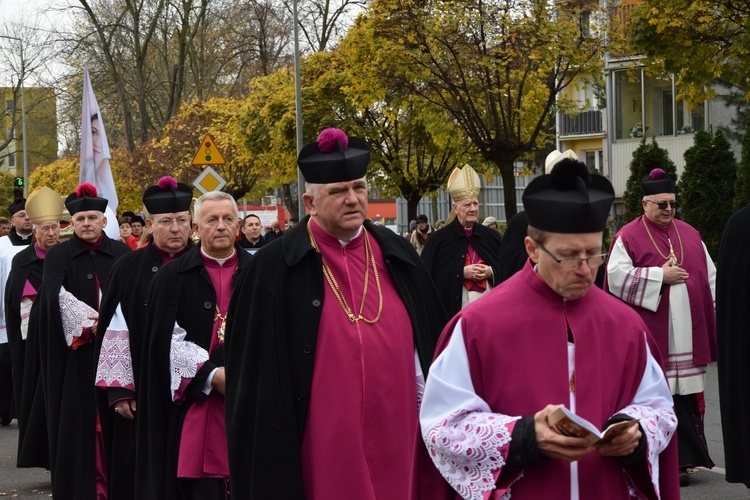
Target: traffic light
{"x":18,"y":182}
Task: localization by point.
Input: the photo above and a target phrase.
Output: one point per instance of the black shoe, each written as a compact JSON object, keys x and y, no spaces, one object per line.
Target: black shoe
{"x":684,"y":478}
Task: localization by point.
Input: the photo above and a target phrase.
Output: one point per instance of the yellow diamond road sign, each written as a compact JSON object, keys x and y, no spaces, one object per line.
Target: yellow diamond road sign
{"x":209,"y":180}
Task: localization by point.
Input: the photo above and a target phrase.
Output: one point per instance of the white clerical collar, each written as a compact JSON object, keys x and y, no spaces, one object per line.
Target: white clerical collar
{"x":359,"y":231}
{"x":218,"y":261}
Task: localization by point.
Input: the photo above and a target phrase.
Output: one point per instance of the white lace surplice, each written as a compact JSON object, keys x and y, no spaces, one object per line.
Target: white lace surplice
{"x":76,"y":315}
{"x":115,"y":367}
{"x":465,"y":440}
{"x":185,"y":359}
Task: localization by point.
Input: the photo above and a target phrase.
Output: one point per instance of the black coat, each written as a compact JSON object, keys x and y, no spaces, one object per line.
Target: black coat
{"x":68,"y":375}
{"x":129,"y":284}
{"x":444,"y":256}
{"x":271,"y":339}
{"x":513,"y":255}
{"x":181,"y":291}
{"x":33,"y":450}
{"x":733,"y":335}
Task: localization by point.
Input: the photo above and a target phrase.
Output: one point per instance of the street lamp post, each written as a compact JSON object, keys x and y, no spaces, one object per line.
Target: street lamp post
{"x":23,"y":116}
{"x":298,"y":111}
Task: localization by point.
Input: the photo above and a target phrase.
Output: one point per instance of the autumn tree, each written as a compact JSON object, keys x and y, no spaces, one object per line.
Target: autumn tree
{"x":62,"y":176}
{"x":497,"y":68}
{"x":172,"y":151}
{"x":647,"y":157}
{"x":416,"y":145}
{"x":702,"y":42}
{"x":707,"y":187}
{"x":323,"y":22}
{"x":6,"y":193}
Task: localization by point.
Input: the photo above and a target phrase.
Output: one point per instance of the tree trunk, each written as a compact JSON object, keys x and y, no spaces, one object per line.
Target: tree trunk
{"x":508,"y":175}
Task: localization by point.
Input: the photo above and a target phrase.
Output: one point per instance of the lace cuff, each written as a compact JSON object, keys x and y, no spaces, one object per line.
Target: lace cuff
{"x":76,"y":316}
{"x":185,"y":359}
{"x":469,"y":449}
{"x":659,"y":425}
{"x":115,"y":367}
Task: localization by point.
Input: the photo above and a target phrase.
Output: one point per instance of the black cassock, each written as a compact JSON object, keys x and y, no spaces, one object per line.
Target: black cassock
{"x":733,"y":335}
{"x":181,"y":292}
{"x":128,"y":286}
{"x":33,"y":450}
{"x":513,"y":255}
{"x":69,"y":374}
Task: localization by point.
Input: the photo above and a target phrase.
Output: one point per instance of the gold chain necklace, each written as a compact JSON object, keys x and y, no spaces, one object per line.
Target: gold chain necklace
{"x":223,"y":326}
{"x":671,"y":257}
{"x":333,"y":284}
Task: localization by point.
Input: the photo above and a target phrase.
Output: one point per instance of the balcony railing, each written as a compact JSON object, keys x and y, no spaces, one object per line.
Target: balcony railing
{"x":584,"y":123}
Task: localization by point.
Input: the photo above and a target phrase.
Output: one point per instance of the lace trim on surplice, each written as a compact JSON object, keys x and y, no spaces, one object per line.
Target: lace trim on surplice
{"x":75,"y":315}
{"x":185,"y":359}
{"x":467,"y":447}
{"x":659,"y":424}
{"x":115,"y":367}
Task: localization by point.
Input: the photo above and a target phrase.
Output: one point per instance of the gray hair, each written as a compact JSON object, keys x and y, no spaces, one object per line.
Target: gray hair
{"x":214,"y":196}
{"x":537,"y":235}
{"x":312,"y":189}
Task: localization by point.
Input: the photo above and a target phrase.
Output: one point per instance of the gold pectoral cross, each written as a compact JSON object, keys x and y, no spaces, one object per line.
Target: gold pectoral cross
{"x":222,"y":326}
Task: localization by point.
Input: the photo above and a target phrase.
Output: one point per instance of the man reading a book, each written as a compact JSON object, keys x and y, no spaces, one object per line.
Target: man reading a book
{"x":543,"y":339}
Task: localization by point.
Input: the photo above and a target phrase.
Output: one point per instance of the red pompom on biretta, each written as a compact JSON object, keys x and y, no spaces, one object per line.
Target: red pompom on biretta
{"x":657,"y":174}
{"x":167,"y":183}
{"x":334,"y":157}
{"x":86,"y":189}
{"x":85,"y":198}
{"x":656,"y":182}
{"x":329,"y":138}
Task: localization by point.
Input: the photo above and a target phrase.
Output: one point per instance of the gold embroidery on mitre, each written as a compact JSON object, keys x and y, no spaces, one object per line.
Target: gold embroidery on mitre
{"x":464,"y":183}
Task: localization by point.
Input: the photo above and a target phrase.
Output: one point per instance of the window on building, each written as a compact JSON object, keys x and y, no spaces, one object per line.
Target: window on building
{"x":629,"y":104}
{"x":646,"y":105}
{"x":11,"y":160}
{"x":595,"y":161}
{"x":586,"y":23}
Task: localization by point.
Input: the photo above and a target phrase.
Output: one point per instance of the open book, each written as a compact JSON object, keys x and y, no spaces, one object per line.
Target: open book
{"x":567,"y":423}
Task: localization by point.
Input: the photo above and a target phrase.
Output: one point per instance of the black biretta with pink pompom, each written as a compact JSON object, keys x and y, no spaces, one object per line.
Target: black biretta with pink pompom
{"x":657,"y":182}
{"x":84,"y":199}
{"x":167,"y":196}
{"x":334,"y":158}
{"x":569,"y":199}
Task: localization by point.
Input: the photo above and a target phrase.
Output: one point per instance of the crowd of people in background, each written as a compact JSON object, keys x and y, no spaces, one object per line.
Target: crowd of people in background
{"x":201,"y":355}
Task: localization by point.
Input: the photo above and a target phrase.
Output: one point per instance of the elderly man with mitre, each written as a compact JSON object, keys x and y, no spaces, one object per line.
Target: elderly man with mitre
{"x":463,"y":258}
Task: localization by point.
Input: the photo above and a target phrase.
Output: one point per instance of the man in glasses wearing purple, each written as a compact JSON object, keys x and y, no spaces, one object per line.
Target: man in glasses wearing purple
{"x":660,"y":267}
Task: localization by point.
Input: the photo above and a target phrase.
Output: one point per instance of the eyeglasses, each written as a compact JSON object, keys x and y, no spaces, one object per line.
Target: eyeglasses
{"x":663,"y":204}
{"x":573,"y":263}
{"x":167,"y":223}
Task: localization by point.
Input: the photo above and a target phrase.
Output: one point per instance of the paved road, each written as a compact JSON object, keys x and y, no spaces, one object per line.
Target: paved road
{"x":705,"y":484}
